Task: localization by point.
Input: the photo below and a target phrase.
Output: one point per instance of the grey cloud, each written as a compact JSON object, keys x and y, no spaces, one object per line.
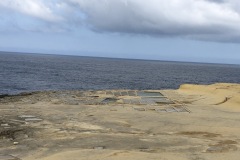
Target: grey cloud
{"x":35,"y":8}
{"x":34,"y":16}
{"x":216,"y":1}
{"x":213,"y":20}
{"x":216,"y":20}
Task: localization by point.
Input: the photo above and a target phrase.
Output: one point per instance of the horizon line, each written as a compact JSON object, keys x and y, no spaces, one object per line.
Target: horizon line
{"x":120,"y":58}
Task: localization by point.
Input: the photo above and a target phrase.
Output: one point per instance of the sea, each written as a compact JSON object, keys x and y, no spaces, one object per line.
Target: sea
{"x":23,"y":72}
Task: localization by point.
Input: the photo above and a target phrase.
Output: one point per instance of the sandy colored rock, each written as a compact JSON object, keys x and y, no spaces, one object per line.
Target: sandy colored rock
{"x":195,"y":122}
{"x":222,"y":94}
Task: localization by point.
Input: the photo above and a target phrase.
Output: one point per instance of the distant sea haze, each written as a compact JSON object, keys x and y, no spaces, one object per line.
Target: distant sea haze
{"x":36,"y":72}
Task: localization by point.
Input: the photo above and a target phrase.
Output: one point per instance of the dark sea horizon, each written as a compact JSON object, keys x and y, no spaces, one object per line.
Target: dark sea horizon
{"x":25,"y":72}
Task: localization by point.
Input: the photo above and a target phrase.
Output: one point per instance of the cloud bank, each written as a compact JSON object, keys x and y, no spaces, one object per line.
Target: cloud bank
{"x":212,"y":20}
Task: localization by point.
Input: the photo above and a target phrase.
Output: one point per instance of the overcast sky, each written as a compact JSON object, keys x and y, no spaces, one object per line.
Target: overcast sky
{"x":179,"y":30}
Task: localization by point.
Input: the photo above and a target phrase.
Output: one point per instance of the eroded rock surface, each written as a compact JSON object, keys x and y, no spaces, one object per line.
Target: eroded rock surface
{"x":123,"y":124}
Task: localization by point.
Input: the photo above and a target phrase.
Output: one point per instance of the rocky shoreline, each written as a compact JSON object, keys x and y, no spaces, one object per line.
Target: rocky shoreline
{"x":121,"y":124}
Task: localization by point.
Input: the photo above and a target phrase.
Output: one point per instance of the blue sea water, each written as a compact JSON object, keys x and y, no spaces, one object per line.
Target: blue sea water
{"x":34,"y":72}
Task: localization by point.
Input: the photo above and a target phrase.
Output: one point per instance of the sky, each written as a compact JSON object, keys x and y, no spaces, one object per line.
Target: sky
{"x":175,"y":30}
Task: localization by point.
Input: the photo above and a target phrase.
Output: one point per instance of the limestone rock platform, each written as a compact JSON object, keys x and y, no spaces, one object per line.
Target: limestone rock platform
{"x":192,"y":123}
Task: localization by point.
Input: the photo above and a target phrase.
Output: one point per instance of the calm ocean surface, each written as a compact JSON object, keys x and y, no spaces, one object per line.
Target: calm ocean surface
{"x":33,"y":72}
